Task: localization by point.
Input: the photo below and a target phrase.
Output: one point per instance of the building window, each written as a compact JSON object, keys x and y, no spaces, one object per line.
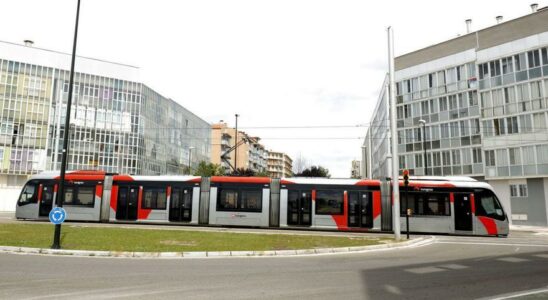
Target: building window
{"x":513,"y":190}
{"x":495,"y":68}
{"x":519,"y":60}
{"x":523,"y":192}
{"x":507,"y":66}
{"x":490,"y":158}
{"x":518,"y":190}
{"x":476,"y":155}
{"x":483,"y":70}
{"x":534,"y":59}
{"x":515,"y":156}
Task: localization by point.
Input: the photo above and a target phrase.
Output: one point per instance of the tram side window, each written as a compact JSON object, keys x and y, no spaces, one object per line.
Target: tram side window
{"x":80,"y":196}
{"x":329,"y":202}
{"x":251,"y":199}
{"x":154,"y":198}
{"x":228,"y":200}
{"x":28,"y":195}
{"x":245,"y":200}
{"x":487,"y":205}
{"x":425,"y":203}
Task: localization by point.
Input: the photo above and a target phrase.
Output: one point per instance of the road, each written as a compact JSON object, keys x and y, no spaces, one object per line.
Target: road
{"x":451,"y":268}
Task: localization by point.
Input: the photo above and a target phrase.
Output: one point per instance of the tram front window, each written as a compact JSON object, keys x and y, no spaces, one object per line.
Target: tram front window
{"x":487,"y":205}
{"x":28,"y":194}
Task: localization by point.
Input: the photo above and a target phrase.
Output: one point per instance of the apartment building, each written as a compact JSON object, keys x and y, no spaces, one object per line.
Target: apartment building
{"x":475,"y":105}
{"x":355,"y":169}
{"x":251,"y":153}
{"x":279,"y":164}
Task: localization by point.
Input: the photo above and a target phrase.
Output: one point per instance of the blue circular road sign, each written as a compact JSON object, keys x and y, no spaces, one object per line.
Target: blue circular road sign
{"x":57,"y":215}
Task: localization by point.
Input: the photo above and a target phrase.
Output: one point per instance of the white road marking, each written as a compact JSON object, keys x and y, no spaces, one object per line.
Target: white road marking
{"x":454,"y":267}
{"x":542,"y":255}
{"x":491,"y":244}
{"x":512,"y":259}
{"x":425,"y":270}
{"x":518,"y":294}
{"x":392,"y":289}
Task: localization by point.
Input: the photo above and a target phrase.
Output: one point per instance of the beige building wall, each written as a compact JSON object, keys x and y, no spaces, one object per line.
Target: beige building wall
{"x":223,"y":138}
{"x":279,"y":165}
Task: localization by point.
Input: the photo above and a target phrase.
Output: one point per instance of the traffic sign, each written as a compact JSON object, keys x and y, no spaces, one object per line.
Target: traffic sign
{"x":57,"y":215}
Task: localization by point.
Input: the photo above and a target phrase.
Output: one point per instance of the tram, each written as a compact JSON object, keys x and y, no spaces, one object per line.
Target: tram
{"x":450,"y":205}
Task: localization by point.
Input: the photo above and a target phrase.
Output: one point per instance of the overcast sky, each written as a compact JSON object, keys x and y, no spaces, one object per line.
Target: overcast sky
{"x":276,"y":63}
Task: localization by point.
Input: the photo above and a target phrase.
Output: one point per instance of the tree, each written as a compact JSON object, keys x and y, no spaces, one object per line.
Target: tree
{"x":243,"y":172}
{"x":262,"y":174}
{"x":300,"y":164}
{"x":206,"y":169}
{"x":315,"y":171}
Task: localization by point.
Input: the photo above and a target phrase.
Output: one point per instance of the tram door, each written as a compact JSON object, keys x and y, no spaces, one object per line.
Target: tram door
{"x":46,"y":203}
{"x":299,"y":208}
{"x":128,"y":198}
{"x":180,"y":207}
{"x":360,"y":209}
{"x":463,"y":212}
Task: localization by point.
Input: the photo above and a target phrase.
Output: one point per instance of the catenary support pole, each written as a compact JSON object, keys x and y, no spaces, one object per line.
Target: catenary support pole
{"x":236,"y":148}
{"x":393,"y":136}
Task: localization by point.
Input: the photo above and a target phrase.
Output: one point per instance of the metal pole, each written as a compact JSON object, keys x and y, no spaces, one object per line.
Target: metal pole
{"x":423,"y":122}
{"x":61,"y":190}
{"x":407,"y":211}
{"x":236,"y":148}
{"x":424,"y":146}
{"x":190,"y":160}
{"x":393,"y":136}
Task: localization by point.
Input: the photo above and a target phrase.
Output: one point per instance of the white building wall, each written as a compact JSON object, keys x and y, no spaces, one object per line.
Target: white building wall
{"x":8,"y":198}
{"x":502,"y":190}
{"x":59,"y":60}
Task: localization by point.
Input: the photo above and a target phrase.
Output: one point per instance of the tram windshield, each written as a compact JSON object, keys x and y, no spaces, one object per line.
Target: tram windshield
{"x":488,"y":205}
{"x":28,"y":194}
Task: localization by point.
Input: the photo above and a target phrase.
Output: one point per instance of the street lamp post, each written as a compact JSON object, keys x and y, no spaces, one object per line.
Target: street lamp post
{"x":190,"y":160}
{"x":236,"y":148}
{"x":61,"y":192}
{"x":423,"y":123}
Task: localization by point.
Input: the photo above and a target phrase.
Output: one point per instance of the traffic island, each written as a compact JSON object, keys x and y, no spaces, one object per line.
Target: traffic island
{"x":159,"y":243}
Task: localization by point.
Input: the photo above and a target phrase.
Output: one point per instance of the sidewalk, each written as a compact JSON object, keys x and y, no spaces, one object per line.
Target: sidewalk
{"x":538,"y":229}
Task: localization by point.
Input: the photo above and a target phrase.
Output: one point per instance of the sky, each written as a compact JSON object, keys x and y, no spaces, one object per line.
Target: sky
{"x":304,"y":75}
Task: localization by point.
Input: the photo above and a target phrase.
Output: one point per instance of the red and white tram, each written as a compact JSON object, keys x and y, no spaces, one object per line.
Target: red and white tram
{"x":454,"y":205}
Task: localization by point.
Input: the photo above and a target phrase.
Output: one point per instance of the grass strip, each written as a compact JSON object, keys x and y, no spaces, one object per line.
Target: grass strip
{"x":158,"y":240}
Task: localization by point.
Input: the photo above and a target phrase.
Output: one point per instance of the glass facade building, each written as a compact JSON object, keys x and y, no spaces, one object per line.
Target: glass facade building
{"x":478,"y":105}
{"x":117,"y":123}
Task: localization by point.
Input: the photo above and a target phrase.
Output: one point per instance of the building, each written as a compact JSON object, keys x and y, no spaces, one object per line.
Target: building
{"x":355,"y":170}
{"x":118,"y":124}
{"x":251,"y":154}
{"x":478,"y":105}
{"x":279,"y":164}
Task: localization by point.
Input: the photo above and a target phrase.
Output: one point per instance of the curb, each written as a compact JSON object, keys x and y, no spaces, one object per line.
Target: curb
{"x":421,"y":241}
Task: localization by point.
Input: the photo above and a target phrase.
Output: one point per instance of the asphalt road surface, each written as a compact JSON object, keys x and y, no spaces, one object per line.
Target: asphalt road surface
{"x":451,"y":268}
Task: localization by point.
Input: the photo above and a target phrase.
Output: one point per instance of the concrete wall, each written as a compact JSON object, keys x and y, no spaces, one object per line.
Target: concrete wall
{"x":8,"y":198}
{"x":534,"y":206}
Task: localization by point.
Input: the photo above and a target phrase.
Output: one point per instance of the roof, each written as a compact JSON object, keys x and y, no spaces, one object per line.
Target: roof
{"x":504,"y":32}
